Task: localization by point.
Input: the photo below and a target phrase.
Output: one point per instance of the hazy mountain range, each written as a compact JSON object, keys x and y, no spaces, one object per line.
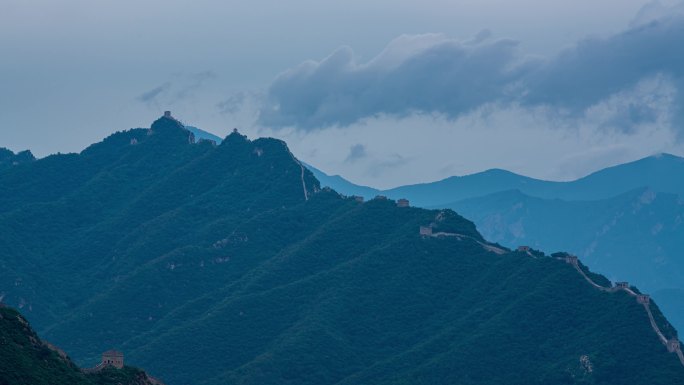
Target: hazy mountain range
{"x":229,"y":264}
{"x":662,"y":173}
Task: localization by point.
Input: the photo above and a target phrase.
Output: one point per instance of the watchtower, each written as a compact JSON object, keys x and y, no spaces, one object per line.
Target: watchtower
{"x":622,"y":285}
{"x":571,"y":259}
{"x":167,"y":114}
{"x":523,"y":249}
{"x":403,"y":203}
{"x":113,"y":358}
{"x":643,"y":299}
{"x":673,"y":345}
{"x":425,"y":231}
{"x":358,"y":198}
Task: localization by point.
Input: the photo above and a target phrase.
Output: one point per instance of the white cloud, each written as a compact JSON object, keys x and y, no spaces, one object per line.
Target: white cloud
{"x":423,"y":73}
{"x":432,"y":73}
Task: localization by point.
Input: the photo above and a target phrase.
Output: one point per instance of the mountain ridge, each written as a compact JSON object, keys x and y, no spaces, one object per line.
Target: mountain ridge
{"x":633,"y":235}
{"x":220,"y":257}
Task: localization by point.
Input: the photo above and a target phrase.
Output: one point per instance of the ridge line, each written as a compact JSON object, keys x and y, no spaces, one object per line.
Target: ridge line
{"x":646,"y":304}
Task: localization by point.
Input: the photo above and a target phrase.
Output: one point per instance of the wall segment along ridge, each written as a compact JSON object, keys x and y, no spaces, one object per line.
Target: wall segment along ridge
{"x":647,"y":307}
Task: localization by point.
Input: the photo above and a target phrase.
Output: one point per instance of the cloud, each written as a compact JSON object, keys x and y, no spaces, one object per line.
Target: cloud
{"x":232,"y":104}
{"x":425,"y":73}
{"x":377,"y":168}
{"x":435,"y":74}
{"x":181,"y":87}
{"x":597,"y":68}
{"x":191,"y":83}
{"x":656,"y":10}
{"x":151,"y":95}
{"x":356,"y":152}
{"x":651,"y":101}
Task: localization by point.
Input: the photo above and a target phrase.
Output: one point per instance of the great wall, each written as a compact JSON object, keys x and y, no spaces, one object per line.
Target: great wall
{"x":306,"y":194}
{"x":115,"y":359}
{"x":426,"y":231}
{"x":672,"y":344}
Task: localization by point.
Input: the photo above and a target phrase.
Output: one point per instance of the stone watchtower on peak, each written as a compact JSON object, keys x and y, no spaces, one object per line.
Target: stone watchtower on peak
{"x":167,"y":115}
{"x":113,"y":358}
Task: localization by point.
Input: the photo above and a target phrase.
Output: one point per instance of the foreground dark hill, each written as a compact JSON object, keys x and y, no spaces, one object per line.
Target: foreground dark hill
{"x":229,"y":265}
{"x":25,"y":359}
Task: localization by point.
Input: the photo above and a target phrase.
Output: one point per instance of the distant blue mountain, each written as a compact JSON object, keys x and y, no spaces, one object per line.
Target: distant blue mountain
{"x":201,"y":134}
{"x":626,"y":222}
{"x":342,"y":185}
{"x":663,"y":173}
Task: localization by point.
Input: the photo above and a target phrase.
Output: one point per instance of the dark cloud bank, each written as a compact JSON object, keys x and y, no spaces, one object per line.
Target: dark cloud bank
{"x":435,"y":74}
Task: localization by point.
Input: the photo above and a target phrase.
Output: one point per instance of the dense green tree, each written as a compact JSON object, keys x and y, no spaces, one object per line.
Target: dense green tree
{"x":228,"y":264}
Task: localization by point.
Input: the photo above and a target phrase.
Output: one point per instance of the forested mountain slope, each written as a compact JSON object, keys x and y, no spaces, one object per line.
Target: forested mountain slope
{"x":637,"y":234}
{"x":25,"y":359}
{"x":231,"y":260}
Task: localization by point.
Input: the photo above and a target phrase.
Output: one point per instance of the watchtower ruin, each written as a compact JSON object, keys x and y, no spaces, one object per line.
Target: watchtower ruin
{"x":403,"y":203}
{"x":425,"y":231}
{"x":358,"y":198}
{"x":622,"y":285}
{"x":673,"y":345}
{"x":572,"y":259}
{"x":523,"y":249}
{"x":112,"y":358}
{"x":167,"y":114}
{"x":643,"y":299}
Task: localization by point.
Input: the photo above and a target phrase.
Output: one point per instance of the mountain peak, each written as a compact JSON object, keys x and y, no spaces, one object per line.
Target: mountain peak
{"x":171,"y":129}
{"x":666,"y":156}
{"x":235,"y":137}
{"x":166,"y":121}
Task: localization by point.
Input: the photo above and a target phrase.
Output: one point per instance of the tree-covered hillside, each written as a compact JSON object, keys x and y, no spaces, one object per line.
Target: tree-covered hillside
{"x":637,"y":236}
{"x":229,"y":265}
{"x":9,"y":159}
{"x":626,"y":222}
{"x":25,"y":359}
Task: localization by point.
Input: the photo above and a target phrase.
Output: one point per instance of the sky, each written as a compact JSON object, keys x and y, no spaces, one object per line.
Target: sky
{"x":384,"y":93}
